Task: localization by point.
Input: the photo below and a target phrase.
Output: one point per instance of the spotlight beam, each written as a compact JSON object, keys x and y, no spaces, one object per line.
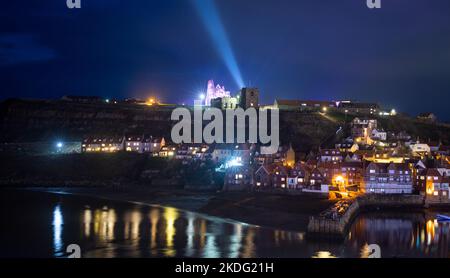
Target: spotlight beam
{"x":213,"y":24}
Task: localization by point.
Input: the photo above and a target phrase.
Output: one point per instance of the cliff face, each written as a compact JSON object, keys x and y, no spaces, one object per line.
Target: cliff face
{"x":43,"y":120}
{"x":32,"y":120}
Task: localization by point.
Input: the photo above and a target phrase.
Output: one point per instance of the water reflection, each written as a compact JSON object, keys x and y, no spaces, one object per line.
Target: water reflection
{"x":401,"y":235}
{"x":168,"y":232}
{"x":57,"y":224}
{"x":109,"y":229}
{"x":170,"y":216}
{"x":154,"y":218}
{"x":324,"y":255}
{"x":103,"y":223}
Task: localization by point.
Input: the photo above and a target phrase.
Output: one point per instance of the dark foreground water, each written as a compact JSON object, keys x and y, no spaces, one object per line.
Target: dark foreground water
{"x":36,"y":224}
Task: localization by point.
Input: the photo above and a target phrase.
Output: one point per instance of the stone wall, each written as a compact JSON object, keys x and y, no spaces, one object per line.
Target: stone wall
{"x":338,"y":227}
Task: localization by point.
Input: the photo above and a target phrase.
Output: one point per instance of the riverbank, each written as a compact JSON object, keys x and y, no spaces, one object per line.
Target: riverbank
{"x":290,"y":213}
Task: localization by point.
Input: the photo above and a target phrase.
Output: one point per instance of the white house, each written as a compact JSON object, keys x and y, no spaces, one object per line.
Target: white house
{"x":379,"y":135}
{"x":419,"y":149}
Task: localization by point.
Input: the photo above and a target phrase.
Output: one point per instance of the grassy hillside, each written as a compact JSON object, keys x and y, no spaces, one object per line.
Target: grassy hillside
{"x":31,"y":121}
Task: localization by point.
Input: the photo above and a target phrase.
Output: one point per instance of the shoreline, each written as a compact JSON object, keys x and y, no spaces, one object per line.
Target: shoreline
{"x":228,"y":207}
{"x":225,"y":205}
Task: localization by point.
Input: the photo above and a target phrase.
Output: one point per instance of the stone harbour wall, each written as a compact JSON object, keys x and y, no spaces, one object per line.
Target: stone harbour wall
{"x":337,"y":226}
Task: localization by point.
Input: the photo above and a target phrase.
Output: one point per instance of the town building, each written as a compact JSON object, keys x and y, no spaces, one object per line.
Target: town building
{"x":283,"y":104}
{"x":316,"y":179}
{"x":352,"y":158}
{"x":238,"y":178}
{"x":263,"y":176}
{"x":419,"y":149}
{"x":83,"y":99}
{"x":379,"y":135}
{"x":191,"y":152}
{"x":327,"y":155}
{"x":168,"y":151}
{"x":133,"y":143}
{"x":427,"y":117}
{"x":347,"y":147}
{"x":279,"y":176}
{"x":300,"y":172}
{"x":225,"y":103}
{"x":226,"y":152}
{"x":156,"y":144}
{"x":358,"y":107}
{"x":434,"y":183}
{"x":361,"y":129}
{"x":299,"y":105}
{"x":388,"y":178}
{"x":102,"y":144}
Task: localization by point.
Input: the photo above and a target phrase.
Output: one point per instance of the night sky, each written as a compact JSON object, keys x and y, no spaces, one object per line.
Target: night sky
{"x":398,"y":55}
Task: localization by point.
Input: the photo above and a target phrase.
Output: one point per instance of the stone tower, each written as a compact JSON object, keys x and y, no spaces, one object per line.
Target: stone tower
{"x":249,"y":98}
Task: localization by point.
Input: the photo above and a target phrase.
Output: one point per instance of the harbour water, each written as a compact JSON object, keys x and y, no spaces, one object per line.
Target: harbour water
{"x":37,"y":224}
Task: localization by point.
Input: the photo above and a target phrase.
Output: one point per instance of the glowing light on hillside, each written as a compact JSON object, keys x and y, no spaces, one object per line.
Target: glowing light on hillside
{"x":151,"y":101}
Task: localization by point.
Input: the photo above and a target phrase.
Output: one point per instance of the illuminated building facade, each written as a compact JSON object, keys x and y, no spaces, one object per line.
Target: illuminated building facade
{"x":434,"y":182}
{"x":388,"y":178}
{"x":238,"y":178}
{"x":225,"y":103}
{"x":215,"y":91}
{"x":133,"y":143}
{"x":102,"y":144}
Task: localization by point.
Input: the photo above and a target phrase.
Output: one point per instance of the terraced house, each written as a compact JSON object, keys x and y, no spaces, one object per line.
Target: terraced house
{"x":388,"y":178}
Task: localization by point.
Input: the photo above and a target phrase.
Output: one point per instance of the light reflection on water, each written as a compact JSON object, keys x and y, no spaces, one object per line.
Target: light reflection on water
{"x":110,"y":229}
{"x":174,"y":233}
{"x":402,"y":235}
{"x":168,"y":232}
{"x":57,"y":224}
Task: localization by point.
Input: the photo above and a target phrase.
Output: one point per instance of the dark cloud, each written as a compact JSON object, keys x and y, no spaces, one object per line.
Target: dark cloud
{"x":23,"y":48}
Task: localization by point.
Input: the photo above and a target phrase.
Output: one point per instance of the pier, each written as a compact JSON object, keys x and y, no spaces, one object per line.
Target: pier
{"x":335,"y":221}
